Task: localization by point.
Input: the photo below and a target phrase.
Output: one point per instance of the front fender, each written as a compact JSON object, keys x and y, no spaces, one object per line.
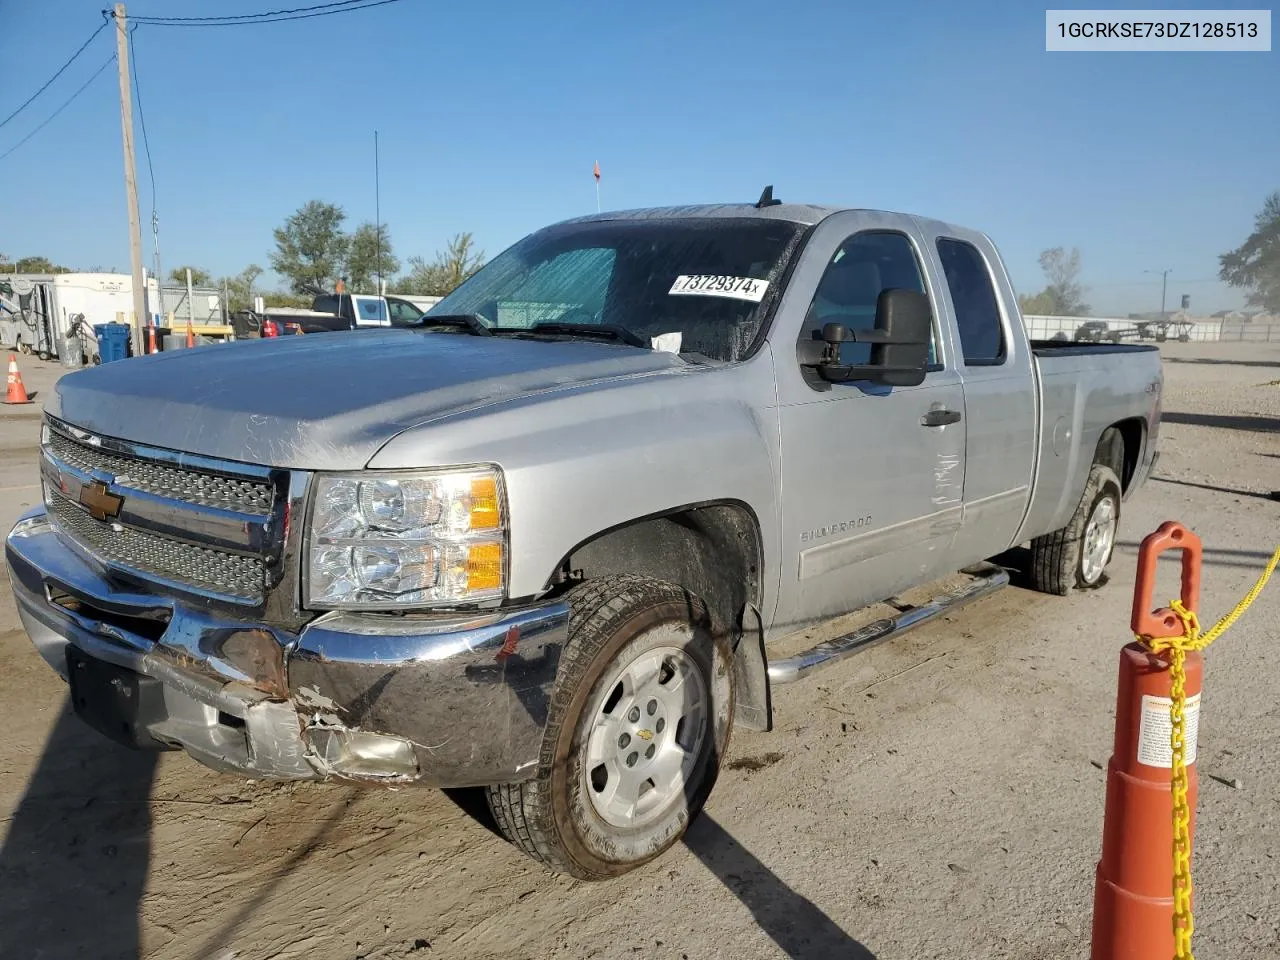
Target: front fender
{"x":583,"y":460}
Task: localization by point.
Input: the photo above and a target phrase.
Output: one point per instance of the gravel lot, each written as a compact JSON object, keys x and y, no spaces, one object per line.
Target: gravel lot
{"x":938,"y":796}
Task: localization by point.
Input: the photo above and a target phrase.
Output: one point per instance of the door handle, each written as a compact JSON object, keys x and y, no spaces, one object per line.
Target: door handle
{"x":940,"y":417}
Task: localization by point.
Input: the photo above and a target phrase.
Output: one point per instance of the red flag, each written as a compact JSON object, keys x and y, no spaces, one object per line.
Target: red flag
{"x":596,"y":171}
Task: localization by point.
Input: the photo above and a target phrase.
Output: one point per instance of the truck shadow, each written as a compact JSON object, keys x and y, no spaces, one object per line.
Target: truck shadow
{"x":1224,"y":422}
{"x":1205,"y":486}
{"x":75,"y":859}
{"x":1229,"y":363}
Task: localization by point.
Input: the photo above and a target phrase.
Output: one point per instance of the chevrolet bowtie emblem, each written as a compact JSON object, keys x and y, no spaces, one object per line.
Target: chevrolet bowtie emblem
{"x":101,"y":503}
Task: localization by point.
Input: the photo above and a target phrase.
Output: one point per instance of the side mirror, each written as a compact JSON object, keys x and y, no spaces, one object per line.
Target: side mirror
{"x":899,"y":343}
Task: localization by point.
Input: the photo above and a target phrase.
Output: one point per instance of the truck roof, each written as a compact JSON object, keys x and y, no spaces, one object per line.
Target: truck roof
{"x":795,"y":212}
{"x":802,"y":213}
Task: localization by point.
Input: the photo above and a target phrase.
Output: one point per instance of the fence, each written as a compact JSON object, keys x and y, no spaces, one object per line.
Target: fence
{"x":1047,"y":328}
{"x":205,"y":304}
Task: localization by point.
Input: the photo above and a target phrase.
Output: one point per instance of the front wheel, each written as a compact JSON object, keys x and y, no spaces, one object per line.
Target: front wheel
{"x":1077,"y":555}
{"x":638,"y":722}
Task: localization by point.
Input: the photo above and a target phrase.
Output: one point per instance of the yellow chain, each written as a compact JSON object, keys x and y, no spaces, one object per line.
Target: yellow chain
{"x":1176,"y":648}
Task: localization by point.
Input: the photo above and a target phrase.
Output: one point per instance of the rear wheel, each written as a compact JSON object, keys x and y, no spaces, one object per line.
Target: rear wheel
{"x":638,"y":722}
{"x":1076,"y":556}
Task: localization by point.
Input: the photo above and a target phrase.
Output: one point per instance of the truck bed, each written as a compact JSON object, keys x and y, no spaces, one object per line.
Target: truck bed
{"x":1084,"y":388}
{"x":1072,"y":348}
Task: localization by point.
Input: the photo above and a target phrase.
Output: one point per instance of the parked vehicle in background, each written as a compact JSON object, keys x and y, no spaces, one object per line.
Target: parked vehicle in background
{"x":422,"y":303}
{"x":1096,"y":331}
{"x":562,"y":559}
{"x":403,"y":312}
{"x":329,"y":312}
{"x":1162,"y":330}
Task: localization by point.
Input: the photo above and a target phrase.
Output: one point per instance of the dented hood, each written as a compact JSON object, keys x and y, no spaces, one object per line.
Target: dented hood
{"x":326,"y":401}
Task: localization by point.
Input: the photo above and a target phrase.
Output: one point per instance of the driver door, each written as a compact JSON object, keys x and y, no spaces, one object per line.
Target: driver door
{"x":872,"y":475}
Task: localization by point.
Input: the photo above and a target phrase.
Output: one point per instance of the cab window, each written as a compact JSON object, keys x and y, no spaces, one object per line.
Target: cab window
{"x":403,"y":313}
{"x":974,"y":299}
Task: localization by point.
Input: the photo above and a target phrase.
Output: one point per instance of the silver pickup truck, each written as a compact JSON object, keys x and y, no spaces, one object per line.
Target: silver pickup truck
{"x":552,"y":542}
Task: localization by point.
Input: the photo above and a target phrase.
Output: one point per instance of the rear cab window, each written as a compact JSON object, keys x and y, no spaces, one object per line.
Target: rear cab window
{"x":973,"y":298}
{"x":370,"y":309}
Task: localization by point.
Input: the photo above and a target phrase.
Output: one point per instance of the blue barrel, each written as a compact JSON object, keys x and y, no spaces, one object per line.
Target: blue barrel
{"x":113,"y":341}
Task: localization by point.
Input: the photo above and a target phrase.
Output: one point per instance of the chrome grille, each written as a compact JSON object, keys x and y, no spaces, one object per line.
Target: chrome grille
{"x":177,"y":483}
{"x":146,"y":554}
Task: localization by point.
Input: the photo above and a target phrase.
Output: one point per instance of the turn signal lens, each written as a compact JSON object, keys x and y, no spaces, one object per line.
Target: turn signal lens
{"x":485,"y":512}
{"x":484,"y":567}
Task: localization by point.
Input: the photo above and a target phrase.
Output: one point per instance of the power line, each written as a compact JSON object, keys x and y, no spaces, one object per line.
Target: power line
{"x":270,"y":16}
{"x":110,"y":60}
{"x":1150,"y":283}
{"x":255,"y":16}
{"x":62,"y":68}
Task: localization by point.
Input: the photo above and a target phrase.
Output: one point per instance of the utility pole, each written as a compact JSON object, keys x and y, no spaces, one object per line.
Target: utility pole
{"x":130,"y":176}
{"x":377,"y":212}
{"x":1164,"y":287}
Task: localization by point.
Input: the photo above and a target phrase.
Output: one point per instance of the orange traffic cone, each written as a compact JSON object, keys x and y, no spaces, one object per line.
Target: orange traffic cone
{"x":151,"y":338}
{"x":16,"y":392}
{"x":1134,"y":902}
{"x":191,"y":334}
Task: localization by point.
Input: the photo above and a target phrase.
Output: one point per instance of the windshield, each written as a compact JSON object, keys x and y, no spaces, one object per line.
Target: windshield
{"x":708,"y":283}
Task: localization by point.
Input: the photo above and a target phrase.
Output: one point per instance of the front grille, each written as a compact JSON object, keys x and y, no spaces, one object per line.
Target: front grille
{"x":177,"y":483}
{"x":214,"y":571}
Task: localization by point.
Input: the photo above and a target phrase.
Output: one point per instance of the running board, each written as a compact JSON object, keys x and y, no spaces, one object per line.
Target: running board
{"x":828,"y":652}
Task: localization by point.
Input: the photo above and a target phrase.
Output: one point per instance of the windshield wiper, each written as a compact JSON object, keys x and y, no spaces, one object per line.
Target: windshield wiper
{"x":606,"y":330}
{"x":472,"y":322}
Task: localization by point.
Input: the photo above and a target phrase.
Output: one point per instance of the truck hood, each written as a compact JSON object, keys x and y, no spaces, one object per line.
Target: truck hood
{"x":327,"y":401}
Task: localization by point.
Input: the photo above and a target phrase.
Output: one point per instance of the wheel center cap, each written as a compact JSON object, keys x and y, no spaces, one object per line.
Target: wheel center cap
{"x":644,"y":734}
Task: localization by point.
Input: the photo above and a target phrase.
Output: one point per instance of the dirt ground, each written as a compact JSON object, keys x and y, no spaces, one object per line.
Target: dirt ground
{"x":938,"y":796}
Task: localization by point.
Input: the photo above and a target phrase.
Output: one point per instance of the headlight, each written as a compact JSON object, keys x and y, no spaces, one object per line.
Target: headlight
{"x":392,"y":541}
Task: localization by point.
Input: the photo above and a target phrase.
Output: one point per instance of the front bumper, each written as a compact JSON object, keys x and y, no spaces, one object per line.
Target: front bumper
{"x":446,"y":700}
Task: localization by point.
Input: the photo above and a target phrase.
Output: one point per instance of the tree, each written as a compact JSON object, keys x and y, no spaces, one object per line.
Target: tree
{"x":278,"y":298}
{"x":458,"y":261}
{"x":38,"y":265}
{"x":199,"y":278}
{"x":363,"y":264}
{"x":1040,"y":305}
{"x":1255,"y":265}
{"x":240,"y":287}
{"x":311,"y":248}
{"x":1064,"y":296}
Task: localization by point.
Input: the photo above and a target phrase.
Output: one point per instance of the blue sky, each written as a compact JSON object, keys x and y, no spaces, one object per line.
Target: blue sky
{"x":490,"y":115}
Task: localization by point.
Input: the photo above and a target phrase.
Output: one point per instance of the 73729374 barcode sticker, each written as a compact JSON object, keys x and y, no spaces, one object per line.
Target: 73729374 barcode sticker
{"x":735,"y":288}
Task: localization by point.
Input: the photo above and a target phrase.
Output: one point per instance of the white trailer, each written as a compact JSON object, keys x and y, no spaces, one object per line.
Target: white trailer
{"x":51,"y":307}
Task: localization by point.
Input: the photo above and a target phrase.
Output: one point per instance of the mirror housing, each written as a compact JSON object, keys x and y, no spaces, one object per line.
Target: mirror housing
{"x":900,"y":343}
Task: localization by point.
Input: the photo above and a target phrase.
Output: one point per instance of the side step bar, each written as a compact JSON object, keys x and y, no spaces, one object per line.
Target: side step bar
{"x":987,"y":581}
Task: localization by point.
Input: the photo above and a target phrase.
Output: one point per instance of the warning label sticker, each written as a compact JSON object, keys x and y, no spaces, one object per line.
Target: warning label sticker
{"x":1154,"y":748}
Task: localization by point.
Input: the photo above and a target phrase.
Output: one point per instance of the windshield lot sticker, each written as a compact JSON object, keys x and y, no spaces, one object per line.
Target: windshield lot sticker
{"x":736,"y":288}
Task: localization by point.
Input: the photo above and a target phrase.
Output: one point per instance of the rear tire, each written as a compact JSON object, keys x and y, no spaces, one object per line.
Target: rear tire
{"x":638,"y":723}
{"x":1076,"y":556}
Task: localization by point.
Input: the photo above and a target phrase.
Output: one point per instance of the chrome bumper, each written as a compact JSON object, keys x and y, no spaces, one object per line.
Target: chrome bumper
{"x":445,"y":700}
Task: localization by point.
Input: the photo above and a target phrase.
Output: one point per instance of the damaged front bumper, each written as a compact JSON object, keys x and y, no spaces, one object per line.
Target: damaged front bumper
{"x":446,"y":700}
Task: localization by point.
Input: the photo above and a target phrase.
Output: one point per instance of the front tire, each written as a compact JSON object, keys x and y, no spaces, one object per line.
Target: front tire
{"x":638,"y":723}
{"x":1076,"y":556}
